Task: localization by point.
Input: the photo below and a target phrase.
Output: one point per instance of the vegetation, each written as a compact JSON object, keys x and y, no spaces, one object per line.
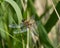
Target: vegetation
{"x":22,"y":27}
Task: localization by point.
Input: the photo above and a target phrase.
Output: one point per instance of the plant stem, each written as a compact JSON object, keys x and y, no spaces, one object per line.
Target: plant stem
{"x":28,"y":37}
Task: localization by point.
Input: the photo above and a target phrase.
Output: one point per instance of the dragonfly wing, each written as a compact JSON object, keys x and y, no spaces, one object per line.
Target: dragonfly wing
{"x":14,"y":26}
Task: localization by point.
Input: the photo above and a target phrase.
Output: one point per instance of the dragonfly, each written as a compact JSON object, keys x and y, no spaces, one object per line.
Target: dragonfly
{"x":24,"y":25}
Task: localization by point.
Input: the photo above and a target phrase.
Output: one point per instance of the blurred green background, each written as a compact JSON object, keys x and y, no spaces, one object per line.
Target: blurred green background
{"x":29,"y":24}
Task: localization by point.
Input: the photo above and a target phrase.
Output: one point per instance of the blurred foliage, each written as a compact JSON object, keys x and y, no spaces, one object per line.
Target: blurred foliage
{"x":12,"y":12}
{"x":53,"y":19}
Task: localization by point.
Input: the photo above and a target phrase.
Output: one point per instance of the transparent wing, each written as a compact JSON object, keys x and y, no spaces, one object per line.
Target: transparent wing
{"x":17,"y":31}
{"x":35,"y":36}
{"x":15,"y":26}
